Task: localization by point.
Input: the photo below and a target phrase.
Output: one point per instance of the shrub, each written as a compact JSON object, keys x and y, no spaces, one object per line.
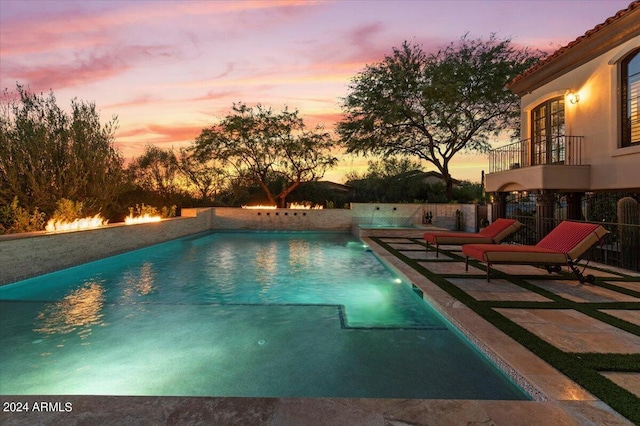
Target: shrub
{"x":14,"y":219}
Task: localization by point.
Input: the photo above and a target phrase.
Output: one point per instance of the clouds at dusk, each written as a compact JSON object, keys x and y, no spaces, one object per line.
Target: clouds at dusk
{"x":168,"y":69}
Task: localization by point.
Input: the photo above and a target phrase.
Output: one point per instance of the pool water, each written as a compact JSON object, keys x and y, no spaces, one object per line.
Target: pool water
{"x":237,"y":314}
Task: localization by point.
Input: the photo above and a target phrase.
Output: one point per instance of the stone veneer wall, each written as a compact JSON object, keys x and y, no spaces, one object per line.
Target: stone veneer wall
{"x":281,"y":219}
{"x":27,"y":255}
{"x":360,"y":214}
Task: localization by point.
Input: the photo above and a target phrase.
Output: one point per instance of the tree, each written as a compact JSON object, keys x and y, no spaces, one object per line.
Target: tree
{"x":47,"y":154}
{"x":205,"y":178}
{"x":156,"y":170}
{"x":434,"y":105}
{"x":267,"y":148}
{"x":388,"y":180}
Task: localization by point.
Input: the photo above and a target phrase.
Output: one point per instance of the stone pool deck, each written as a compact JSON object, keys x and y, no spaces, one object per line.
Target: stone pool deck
{"x":554,"y":308}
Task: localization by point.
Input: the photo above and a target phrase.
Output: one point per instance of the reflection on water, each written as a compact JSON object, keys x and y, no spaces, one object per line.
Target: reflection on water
{"x":266,"y":266}
{"x":82,"y":309}
{"x":141,"y":283}
{"x":299,"y":257}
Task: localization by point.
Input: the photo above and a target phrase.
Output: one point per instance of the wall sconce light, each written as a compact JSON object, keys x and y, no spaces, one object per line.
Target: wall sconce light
{"x":573,"y":97}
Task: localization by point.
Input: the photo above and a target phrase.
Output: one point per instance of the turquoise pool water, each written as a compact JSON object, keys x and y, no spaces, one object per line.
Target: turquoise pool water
{"x":236,"y":314}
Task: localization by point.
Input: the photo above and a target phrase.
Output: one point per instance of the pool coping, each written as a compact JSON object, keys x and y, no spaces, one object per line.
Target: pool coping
{"x":118,"y":410}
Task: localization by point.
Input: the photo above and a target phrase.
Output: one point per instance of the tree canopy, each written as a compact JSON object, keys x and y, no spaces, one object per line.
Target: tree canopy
{"x":47,"y":154}
{"x":269,"y":149}
{"x":433,"y":106}
{"x":156,"y":170}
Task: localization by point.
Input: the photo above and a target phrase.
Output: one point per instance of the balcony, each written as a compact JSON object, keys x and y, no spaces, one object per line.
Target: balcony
{"x":560,"y":150}
{"x":556,"y":164}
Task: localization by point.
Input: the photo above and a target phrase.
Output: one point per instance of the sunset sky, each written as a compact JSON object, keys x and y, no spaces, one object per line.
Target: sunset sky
{"x":168,"y":69}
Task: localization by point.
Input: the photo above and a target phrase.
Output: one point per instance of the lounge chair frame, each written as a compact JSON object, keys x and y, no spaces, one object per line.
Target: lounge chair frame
{"x":544,"y":253}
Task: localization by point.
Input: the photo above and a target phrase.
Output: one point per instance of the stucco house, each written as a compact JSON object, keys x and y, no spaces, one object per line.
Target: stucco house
{"x":580,"y":124}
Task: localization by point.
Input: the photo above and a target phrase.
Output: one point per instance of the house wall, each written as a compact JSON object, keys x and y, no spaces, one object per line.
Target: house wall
{"x":596,"y":117}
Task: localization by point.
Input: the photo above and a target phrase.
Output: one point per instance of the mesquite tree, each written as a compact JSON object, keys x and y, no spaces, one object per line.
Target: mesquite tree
{"x":264,"y":147}
{"x":433,"y":106}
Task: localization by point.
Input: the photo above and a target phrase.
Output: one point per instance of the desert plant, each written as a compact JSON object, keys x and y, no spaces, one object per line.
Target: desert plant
{"x":147,"y":210}
{"x":68,"y":210}
{"x":168,"y":211}
{"x":14,"y":219}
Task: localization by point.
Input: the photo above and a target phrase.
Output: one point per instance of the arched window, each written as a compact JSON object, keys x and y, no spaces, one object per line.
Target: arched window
{"x":631,"y":99}
{"x":547,"y":132}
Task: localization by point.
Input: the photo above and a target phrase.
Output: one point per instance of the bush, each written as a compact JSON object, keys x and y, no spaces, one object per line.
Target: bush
{"x":15,"y":219}
{"x":143,"y":209}
{"x":68,"y":210}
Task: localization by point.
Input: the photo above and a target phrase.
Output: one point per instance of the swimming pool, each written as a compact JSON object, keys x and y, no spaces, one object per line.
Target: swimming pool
{"x":257,"y":314}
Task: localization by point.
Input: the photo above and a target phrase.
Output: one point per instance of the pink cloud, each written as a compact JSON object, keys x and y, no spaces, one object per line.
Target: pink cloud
{"x":135,"y":102}
{"x":159,"y":133}
{"x":327,"y":120}
{"x":97,"y":66}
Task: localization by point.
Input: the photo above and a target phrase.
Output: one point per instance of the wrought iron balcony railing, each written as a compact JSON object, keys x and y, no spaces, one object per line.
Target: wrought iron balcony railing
{"x":561,"y":149}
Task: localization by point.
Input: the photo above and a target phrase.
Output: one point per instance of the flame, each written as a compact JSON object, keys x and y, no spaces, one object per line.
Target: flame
{"x":293,"y":206}
{"x":296,"y":206}
{"x":145,"y":218}
{"x":259,"y":207}
{"x":78,"y":224}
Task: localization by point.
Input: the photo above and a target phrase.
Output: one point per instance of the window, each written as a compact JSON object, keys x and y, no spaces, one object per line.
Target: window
{"x":547,"y":132}
{"x":631,"y":99}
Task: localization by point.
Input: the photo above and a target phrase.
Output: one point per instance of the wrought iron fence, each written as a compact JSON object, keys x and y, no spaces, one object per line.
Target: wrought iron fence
{"x":561,"y":149}
{"x":620,"y":248}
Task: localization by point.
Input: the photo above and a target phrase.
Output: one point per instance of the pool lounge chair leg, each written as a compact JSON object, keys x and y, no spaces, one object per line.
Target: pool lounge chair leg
{"x":428,"y":249}
{"x":466,"y":263}
{"x":589,"y":279}
{"x":488,"y":272}
{"x":437,"y":250}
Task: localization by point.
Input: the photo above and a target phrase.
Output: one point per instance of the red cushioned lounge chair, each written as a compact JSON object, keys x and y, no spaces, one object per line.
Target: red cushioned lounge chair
{"x":492,"y":234}
{"x":564,"y":245}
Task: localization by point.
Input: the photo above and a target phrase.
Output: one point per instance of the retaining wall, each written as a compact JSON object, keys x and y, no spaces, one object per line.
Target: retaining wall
{"x":281,"y":219}
{"x":360,"y":214}
{"x":27,"y":255}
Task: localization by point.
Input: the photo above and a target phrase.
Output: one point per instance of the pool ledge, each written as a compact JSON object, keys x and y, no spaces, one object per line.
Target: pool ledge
{"x":115,"y":410}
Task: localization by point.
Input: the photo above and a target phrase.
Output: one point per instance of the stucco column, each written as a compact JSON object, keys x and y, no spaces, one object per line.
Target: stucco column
{"x":498,"y":205}
{"x":574,"y":205}
{"x":544,"y":213}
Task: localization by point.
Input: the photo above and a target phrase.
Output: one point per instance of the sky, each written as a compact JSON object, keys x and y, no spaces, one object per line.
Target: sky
{"x":168,"y":69}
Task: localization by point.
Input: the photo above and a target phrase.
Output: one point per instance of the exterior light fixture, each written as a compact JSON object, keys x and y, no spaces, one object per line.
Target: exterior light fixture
{"x":573,"y":97}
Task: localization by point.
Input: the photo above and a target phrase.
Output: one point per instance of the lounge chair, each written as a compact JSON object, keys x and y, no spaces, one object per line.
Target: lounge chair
{"x":492,"y":234}
{"x":564,"y":245}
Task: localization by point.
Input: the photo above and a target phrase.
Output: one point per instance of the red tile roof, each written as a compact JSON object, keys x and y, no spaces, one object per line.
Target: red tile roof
{"x":590,"y":33}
